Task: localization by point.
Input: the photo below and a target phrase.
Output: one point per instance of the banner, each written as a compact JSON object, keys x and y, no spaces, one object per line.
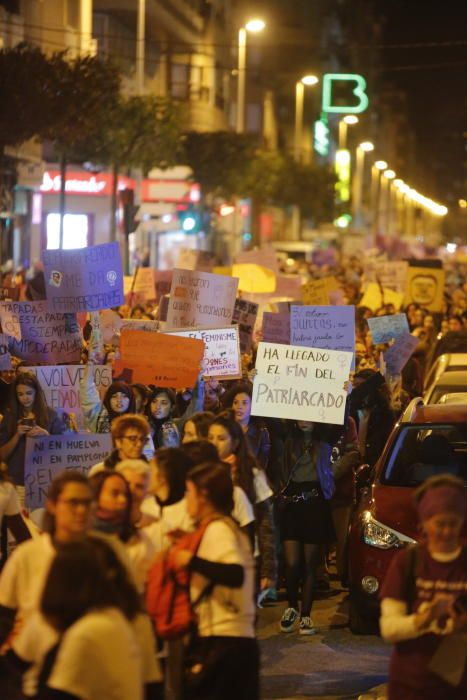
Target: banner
{"x":46,"y":337}
{"x":84,"y":279}
{"x":398,"y":354}
{"x":201,"y":299}
{"x":276,"y":328}
{"x":386,"y":328}
{"x":328,"y":327}
{"x":375,"y":297}
{"x":5,"y":357}
{"x":160,"y":359}
{"x":315,"y":293}
{"x":388,"y":274}
{"x":300,"y":383}
{"x":244,"y":315}
{"x":47,"y":456}
{"x":425,"y":286}
{"x":60,"y":385}
{"x":221,"y":350}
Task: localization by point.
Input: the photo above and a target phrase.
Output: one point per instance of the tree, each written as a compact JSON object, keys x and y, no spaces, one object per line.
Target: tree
{"x":84,"y":90}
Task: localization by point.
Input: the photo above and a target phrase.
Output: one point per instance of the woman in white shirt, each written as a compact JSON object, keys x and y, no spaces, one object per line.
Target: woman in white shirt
{"x":224,"y":660}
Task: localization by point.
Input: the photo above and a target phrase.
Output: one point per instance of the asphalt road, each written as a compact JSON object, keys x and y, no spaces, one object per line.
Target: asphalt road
{"x":331,"y":664}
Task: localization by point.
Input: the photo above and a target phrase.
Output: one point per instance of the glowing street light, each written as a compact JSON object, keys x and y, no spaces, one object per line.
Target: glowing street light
{"x":381,"y":165}
{"x":254,"y":25}
{"x":389,"y":174}
{"x":344,"y":123}
{"x":367,"y":146}
{"x":310,"y":80}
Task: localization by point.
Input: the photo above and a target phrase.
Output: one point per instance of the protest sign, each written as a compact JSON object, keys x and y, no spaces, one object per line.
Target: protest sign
{"x":46,"y":337}
{"x":111,"y":323}
{"x":139,"y":324}
{"x":425,"y":286}
{"x":221,"y":350}
{"x":375,"y":297}
{"x":245,"y":313}
{"x":49,"y":455}
{"x":9,"y":319}
{"x":60,"y":384}
{"x":266,"y":257}
{"x":96,"y":340}
{"x":201,"y":299}
{"x":288,"y":286}
{"x":315,"y":293}
{"x":84,"y":279}
{"x":300,"y":383}
{"x":156,"y":358}
{"x":398,"y":354}
{"x":5,"y":357}
{"x":145,"y":283}
{"x":388,"y":274}
{"x":386,"y":328}
{"x":276,"y":328}
{"x":163,"y":283}
{"x":329,"y":327}
{"x":255,"y":279}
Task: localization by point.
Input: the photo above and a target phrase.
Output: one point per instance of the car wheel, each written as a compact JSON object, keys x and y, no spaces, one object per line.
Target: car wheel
{"x":361,"y":621}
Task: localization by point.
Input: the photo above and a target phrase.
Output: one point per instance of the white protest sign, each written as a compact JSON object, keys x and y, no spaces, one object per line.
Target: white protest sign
{"x":139,"y":324}
{"x":60,"y":385}
{"x":221,"y":350}
{"x":398,"y":354}
{"x":10,"y":320}
{"x":300,"y":383}
{"x":48,"y":456}
{"x":327,"y":327}
{"x":388,"y":274}
{"x":386,"y":328}
{"x":201,"y":299}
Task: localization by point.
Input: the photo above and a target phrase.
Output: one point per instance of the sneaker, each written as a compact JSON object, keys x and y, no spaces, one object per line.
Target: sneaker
{"x":289,"y":620}
{"x":307,"y":626}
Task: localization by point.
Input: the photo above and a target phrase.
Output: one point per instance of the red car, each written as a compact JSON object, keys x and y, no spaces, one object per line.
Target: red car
{"x":427,"y":440}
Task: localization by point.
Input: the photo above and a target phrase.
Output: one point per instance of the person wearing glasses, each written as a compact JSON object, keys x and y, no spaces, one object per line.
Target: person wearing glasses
{"x":130,"y":437}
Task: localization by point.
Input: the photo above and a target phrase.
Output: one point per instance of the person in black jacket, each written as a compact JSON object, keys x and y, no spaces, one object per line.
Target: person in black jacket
{"x":371,"y":410}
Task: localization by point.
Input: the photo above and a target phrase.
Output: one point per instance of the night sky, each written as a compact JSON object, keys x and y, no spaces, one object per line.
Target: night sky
{"x":435,"y":79}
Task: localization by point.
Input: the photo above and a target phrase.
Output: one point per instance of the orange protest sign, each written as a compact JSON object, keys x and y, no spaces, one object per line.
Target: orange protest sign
{"x":163,"y":360}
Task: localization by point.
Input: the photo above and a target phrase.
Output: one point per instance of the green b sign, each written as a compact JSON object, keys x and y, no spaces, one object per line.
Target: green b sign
{"x":330,"y":81}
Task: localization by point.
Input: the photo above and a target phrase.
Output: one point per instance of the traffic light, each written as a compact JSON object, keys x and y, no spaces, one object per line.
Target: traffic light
{"x":190,"y":220}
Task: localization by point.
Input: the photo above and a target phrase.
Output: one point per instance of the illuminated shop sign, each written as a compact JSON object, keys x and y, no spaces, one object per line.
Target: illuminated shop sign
{"x":332,"y":81}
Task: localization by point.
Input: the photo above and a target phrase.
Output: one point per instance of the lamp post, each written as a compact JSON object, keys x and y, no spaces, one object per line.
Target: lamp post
{"x":376,"y":170}
{"x":308,"y":80}
{"x":254,"y":26}
{"x":385,"y":195}
{"x":344,"y":124}
{"x":140,"y":46}
{"x":357,"y":189}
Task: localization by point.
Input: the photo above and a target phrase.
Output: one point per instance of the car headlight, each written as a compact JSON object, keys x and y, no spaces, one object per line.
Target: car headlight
{"x":378,"y":535}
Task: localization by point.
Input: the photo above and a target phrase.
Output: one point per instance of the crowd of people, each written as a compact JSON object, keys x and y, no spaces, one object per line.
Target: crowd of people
{"x":274,"y":499}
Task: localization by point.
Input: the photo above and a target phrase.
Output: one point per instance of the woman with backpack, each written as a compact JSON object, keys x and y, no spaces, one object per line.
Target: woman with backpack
{"x":424,"y":600}
{"x":223,"y":661}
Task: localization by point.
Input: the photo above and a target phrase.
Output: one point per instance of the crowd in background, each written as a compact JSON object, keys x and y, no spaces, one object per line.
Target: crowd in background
{"x":275,"y":497}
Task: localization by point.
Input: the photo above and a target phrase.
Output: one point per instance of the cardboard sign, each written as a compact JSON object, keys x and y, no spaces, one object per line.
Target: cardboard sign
{"x":145,"y":283}
{"x":221,"y":350}
{"x":255,"y":279}
{"x":201,"y":299}
{"x":5,"y":357}
{"x":425,"y":286}
{"x":315,"y":293}
{"x":300,"y":383}
{"x":156,"y":358}
{"x":60,"y":384}
{"x":386,"y":328}
{"x":289,"y":286}
{"x":375,"y":297}
{"x":46,"y":337}
{"x":398,"y":354}
{"x":388,"y":274}
{"x":84,"y":279}
{"x":328,"y":327}
{"x":48,"y":456}
{"x":244,"y":315}
{"x":276,"y":328}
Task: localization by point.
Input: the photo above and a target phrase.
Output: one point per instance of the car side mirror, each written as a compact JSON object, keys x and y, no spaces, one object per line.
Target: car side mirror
{"x":363,"y":477}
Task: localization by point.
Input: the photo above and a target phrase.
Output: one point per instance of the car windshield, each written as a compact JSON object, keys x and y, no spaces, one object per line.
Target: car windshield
{"x":421,"y":451}
{"x":440,"y":391}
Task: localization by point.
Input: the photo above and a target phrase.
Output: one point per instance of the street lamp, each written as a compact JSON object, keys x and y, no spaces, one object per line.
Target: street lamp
{"x":309,"y":81}
{"x":345,"y":122}
{"x":362,"y":149}
{"x":253,"y":25}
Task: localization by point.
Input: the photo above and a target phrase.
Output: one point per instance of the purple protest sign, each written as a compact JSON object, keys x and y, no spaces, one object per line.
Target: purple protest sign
{"x":276,"y":328}
{"x":326,"y":327}
{"x":46,"y":337}
{"x":398,"y":354}
{"x":84,"y":279}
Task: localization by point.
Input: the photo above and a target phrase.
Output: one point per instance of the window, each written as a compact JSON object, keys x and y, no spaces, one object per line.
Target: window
{"x":427,"y":450}
{"x":75,"y":231}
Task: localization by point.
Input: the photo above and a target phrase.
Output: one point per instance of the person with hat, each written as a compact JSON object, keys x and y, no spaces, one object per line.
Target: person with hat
{"x":424,"y":600}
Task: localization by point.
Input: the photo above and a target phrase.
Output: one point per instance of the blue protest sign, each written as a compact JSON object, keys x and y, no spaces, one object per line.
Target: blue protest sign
{"x":84,"y":279}
{"x":326,"y":327}
{"x":386,"y":328}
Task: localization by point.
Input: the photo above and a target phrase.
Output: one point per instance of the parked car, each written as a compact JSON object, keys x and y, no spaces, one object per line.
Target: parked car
{"x":437,"y":377}
{"x":448,"y":383}
{"x":427,"y":440}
